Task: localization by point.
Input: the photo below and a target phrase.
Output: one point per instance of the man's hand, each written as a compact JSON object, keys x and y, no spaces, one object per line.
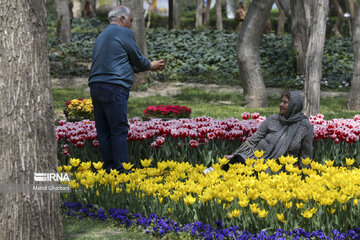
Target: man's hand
{"x":228,"y":156}
{"x":158,"y":65}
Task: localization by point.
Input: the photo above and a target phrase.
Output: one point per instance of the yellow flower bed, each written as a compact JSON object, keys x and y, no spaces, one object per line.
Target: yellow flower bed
{"x":251,"y":195}
{"x":80,"y":109}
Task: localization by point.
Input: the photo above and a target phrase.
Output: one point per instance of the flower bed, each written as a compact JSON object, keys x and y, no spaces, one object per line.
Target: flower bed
{"x":160,"y":226}
{"x":167,"y":111}
{"x":321,"y":197}
{"x":203,"y":139}
{"x":79,"y":109}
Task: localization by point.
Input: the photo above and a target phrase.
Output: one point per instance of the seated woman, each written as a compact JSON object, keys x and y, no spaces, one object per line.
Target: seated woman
{"x":287,"y":133}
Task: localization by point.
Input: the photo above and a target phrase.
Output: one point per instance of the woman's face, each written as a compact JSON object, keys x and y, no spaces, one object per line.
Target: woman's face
{"x":284,"y":105}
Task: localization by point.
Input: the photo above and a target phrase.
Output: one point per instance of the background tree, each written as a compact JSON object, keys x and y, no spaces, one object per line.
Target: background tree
{"x":64,"y":19}
{"x":199,"y":14}
{"x":339,"y":19}
{"x":219,"y":24}
{"x":314,"y":57}
{"x":176,"y":15}
{"x":285,"y":5}
{"x":281,"y":19}
{"x":300,"y":22}
{"x":354,"y":97}
{"x":27,"y":134}
{"x":137,"y":9}
{"x":207,"y":13}
{"x":248,"y":53}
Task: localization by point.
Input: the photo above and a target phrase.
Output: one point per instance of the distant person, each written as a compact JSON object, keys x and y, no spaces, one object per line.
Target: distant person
{"x":287,"y":133}
{"x":240,"y":14}
{"x":115,"y":59}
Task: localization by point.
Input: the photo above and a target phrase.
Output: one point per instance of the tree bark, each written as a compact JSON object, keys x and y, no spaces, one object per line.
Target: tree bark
{"x":199,"y":14}
{"x":207,"y":14}
{"x":248,"y":53}
{"x":339,"y":20}
{"x":314,"y":56}
{"x":285,"y":5}
{"x":176,"y":14}
{"x":299,"y":32}
{"x":170,"y":14}
{"x":27,"y":134}
{"x":354,"y":97}
{"x":219,"y":25}
{"x":281,"y":19}
{"x":352,"y":9}
{"x":64,"y":18}
{"x":136,"y":8}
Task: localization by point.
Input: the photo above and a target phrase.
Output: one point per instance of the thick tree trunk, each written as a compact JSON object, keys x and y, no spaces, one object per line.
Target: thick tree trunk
{"x":136,"y":8}
{"x":248,"y":53}
{"x":27,"y":134}
{"x":314,"y":57}
{"x":219,"y":25}
{"x":354,"y":97}
{"x":281,"y":20}
{"x":207,"y":14}
{"x":176,"y":14}
{"x":64,"y":18}
{"x":199,"y":14}
{"x":352,"y":9}
{"x":299,"y":32}
{"x":339,"y":20}
{"x":285,"y":5}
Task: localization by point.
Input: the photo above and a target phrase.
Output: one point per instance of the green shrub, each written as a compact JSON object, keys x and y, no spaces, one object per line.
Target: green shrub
{"x":207,"y":56}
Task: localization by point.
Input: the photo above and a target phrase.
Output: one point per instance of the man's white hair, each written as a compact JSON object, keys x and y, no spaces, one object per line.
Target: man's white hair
{"x":117,"y":12}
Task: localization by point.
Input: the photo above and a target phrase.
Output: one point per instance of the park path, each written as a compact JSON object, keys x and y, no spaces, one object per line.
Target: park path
{"x":174,"y":88}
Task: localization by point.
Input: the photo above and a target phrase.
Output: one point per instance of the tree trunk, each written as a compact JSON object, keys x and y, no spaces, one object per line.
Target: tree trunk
{"x":285,"y":5}
{"x":219,"y":25}
{"x":136,"y":7}
{"x":27,"y":134}
{"x":339,"y":20}
{"x":93,"y":7}
{"x":199,"y":14}
{"x":87,"y":8}
{"x":64,"y":18}
{"x":352,"y":9}
{"x":354,"y":97}
{"x":248,"y":53}
{"x":299,"y":32}
{"x":207,"y":14}
{"x":281,"y":20}
{"x":314,"y":57}
{"x":176,"y":14}
{"x":170,"y":14}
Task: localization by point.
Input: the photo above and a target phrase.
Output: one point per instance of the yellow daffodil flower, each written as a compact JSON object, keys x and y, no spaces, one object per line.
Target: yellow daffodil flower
{"x":350,"y":161}
{"x":74,"y":162}
{"x":263,"y":213}
{"x":258,"y":154}
{"x":98,"y":165}
{"x":128,"y":166}
{"x":280,"y":217}
{"x":236,"y":213}
{"x":146,"y":162}
{"x":223,"y":161}
{"x":306,"y":161}
{"x":67,"y":168}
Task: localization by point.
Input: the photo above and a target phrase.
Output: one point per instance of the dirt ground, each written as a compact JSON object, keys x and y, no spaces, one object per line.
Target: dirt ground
{"x":173,"y":88}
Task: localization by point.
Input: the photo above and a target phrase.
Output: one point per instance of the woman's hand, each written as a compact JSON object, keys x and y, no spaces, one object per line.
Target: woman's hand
{"x":229,"y":156}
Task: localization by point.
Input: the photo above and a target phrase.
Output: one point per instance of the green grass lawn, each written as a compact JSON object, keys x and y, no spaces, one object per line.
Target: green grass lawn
{"x":205,"y":103}
{"x":88,"y":229}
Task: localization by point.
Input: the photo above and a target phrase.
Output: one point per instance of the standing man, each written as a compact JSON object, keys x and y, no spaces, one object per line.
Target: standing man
{"x":115,"y":59}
